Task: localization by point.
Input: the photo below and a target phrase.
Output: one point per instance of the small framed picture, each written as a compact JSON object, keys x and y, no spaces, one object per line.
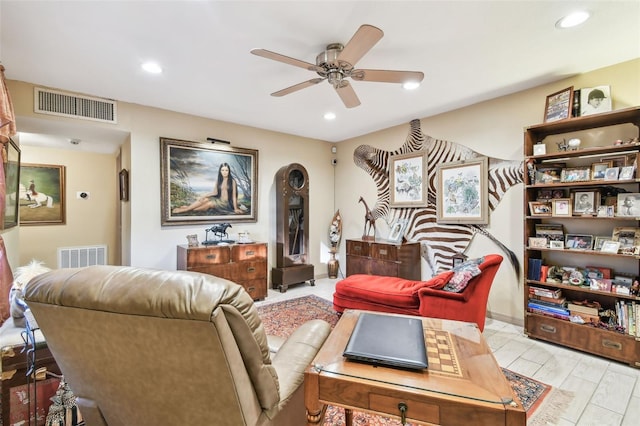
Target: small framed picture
{"x":600,"y":284}
{"x":539,"y":149}
{"x":577,"y":174}
{"x":557,"y":193}
{"x":585,"y":202}
{"x":537,"y":242}
{"x":561,"y":207}
{"x":610,"y":247}
{"x":556,"y":245}
{"x":548,"y":173}
{"x":559,"y":105}
{"x":603,"y":211}
{"x":599,"y":241}
{"x":628,"y":204}
{"x":626,"y":173}
{"x":627,"y":236}
{"x":397,"y":230}
{"x":611,"y":173}
{"x":540,"y":208}
{"x":578,"y":242}
{"x":598,"y":169}
{"x":544,"y":194}
{"x":594,"y":100}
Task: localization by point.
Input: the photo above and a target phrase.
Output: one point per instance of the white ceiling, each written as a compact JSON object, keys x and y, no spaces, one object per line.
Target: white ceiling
{"x":469,"y":51}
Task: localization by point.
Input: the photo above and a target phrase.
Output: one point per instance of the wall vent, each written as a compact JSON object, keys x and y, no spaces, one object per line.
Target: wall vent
{"x":77,"y":257}
{"x":75,"y":106}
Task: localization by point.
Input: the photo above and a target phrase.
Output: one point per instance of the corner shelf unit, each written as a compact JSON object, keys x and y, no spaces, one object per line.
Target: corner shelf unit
{"x":598,"y":135}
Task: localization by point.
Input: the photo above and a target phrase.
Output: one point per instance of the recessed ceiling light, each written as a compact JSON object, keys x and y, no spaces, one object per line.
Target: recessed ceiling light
{"x":152,"y":67}
{"x":329,"y":116}
{"x":572,"y":20}
{"x":411,"y":85}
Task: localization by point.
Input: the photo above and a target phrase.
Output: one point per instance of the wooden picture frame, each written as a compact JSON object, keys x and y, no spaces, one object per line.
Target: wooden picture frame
{"x":548,"y":173}
{"x":610,"y":247}
{"x":586,"y":202}
{"x":396,"y":232}
{"x":575,"y":174}
{"x":598,"y":169}
{"x":599,"y":241}
{"x":123,"y":180}
{"x":190,"y":172}
{"x":540,"y":208}
{"x":578,"y":242}
{"x":628,"y":204}
{"x":559,"y":105}
{"x":408,"y":180}
{"x":556,"y":245}
{"x":627,"y":236}
{"x":12,"y":186}
{"x":462,"y":195}
{"x":42,"y":194}
{"x":538,"y":242}
{"x":561,"y":207}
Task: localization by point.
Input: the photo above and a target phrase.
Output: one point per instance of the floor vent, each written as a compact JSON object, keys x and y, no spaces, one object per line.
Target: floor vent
{"x":75,"y":106}
{"x":77,"y":257}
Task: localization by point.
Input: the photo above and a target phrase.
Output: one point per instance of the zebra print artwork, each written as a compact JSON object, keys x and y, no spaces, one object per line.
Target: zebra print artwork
{"x":439,"y":242}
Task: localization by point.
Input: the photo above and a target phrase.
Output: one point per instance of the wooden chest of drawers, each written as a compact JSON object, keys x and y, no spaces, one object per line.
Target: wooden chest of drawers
{"x":245,"y":264}
{"x":384,"y":258}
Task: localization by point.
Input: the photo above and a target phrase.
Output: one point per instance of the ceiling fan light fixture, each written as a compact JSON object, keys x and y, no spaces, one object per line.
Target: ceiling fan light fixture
{"x":411,"y":85}
{"x":573,"y":19}
{"x":152,"y":67}
{"x":329,"y":116}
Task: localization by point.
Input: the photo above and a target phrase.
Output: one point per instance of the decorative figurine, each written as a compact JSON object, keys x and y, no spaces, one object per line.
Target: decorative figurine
{"x":220,"y":231}
{"x":370,"y":222}
{"x":335,"y":234}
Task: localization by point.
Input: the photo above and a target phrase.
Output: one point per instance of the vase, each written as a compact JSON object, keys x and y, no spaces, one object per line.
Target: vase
{"x":333,"y":265}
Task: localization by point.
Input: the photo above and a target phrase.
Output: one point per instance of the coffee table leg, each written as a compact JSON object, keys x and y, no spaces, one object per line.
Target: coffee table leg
{"x":348,"y":417}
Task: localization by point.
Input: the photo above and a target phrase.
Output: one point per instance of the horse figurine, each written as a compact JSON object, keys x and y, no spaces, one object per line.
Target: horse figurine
{"x":36,"y":200}
{"x":370,"y":221}
{"x":219,"y":230}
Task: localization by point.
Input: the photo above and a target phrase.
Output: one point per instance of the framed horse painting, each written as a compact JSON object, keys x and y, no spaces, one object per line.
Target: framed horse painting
{"x":41,"y":194}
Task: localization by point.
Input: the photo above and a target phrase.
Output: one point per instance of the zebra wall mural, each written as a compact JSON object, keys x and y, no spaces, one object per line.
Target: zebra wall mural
{"x":439,"y":242}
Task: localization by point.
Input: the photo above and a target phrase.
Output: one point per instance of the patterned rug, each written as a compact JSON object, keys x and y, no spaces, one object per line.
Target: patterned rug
{"x":281,"y":318}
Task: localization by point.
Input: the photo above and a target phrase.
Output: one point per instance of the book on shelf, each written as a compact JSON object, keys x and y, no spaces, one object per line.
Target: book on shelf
{"x":547,"y":303}
{"x":555,"y":300}
{"x":549,"y":314}
{"x":547,"y":292}
{"x":556,"y":310}
{"x":589,"y":309}
{"x":533,"y":273}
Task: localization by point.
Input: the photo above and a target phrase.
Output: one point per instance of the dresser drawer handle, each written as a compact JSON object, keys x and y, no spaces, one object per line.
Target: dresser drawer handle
{"x":251,"y":269}
{"x":211,"y":256}
{"x":383,"y":252}
{"x":611,"y":345}
{"x":251,"y":289}
{"x":403,"y":412}
{"x":357,"y":248}
{"x":548,"y":328}
{"x":250,"y":252}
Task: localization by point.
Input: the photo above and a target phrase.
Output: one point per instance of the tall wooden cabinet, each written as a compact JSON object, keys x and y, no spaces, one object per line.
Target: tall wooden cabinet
{"x":244,"y":264}
{"x":383,"y":258}
{"x":563,"y":260}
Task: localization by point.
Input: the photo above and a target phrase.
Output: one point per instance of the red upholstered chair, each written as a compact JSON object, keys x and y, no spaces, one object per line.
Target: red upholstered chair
{"x":423,"y":298}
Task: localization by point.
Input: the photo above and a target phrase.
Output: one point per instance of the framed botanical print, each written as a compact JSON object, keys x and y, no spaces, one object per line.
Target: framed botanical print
{"x":462,"y":195}
{"x":408,"y":177}
{"x":42,"y":189}
{"x":204,"y":183}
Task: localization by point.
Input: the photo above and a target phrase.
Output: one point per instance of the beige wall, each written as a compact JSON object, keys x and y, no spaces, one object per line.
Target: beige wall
{"x":494,"y":128}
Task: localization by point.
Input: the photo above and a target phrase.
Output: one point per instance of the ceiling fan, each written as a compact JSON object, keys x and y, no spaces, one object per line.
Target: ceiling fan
{"x":337,"y":63}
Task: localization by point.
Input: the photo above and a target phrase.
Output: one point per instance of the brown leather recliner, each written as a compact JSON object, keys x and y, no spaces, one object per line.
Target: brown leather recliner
{"x":151,"y":347}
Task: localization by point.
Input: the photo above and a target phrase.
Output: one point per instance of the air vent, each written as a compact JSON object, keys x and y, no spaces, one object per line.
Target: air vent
{"x":74,"y":106}
{"x":77,"y":257}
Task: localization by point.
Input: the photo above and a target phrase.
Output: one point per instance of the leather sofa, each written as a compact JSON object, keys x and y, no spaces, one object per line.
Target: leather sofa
{"x":150,"y":347}
{"x":423,"y":298}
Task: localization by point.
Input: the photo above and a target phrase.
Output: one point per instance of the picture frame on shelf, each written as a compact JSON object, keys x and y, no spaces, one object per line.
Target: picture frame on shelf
{"x":539,"y":149}
{"x":628,"y":204}
{"x":396,"y":232}
{"x":408,"y":180}
{"x":462,"y":195}
{"x":595,"y":100}
{"x":575,"y":174}
{"x":551,"y":231}
{"x":600,"y":284}
{"x":599,"y":169}
{"x":48,"y":182}
{"x":612,"y":173}
{"x":616,"y":160}
{"x":544,"y":195}
{"x":556,"y":245}
{"x":540,"y":208}
{"x":538,"y":242}
{"x":561,"y":207}
{"x":578,"y":242}
{"x":585,"y":202}
{"x":190,"y":171}
{"x":627,"y":236}
{"x":559,"y":105}
{"x":626,"y":173}
{"x":610,"y":247}
{"x":558,"y":193}
{"x":599,"y":241}
{"x":549,"y":173}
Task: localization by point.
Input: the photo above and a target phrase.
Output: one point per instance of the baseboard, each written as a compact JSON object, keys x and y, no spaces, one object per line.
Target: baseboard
{"x":504,"y":318}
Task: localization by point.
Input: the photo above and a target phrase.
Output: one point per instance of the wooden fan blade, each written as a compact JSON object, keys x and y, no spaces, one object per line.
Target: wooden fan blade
{"x":387,"y":76}
{"x":297,"y":87}
{"x":287,"y":60}
{"x":347,"y":94}
{"x":361,"y":42}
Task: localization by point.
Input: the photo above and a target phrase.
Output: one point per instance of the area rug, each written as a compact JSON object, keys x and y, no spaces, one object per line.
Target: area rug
{"x":282,"y":318}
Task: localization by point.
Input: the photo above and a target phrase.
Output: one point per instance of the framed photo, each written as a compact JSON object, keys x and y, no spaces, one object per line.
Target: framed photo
{"x":12,"y":182}
{"x":626,"y":173}
{"x":539,"y":149}
{"x":204,"y":183}
{"x":585,"y":202}
{"x":611,"y":247}
{"x":537,"y":242}
{"x":576,"y":174}
{"x":599,"y":241}
{"x":559,"y":105}
{"x":611,"y":173}
{"x":540,"y":208}
{"x":628,"y":204}
{"x":627,"y":236}
{"x":556,"y":245}
{"x":551,"y":231}
{"x":462,"y":195}
{"x":594,"y":100}
{"x":548,"y":173}
{"x":397,"y":230}
{"x":408,"y":177}
{"x":561,"y":207}
{"x":579,"y":242}
{"x":598,"y":169}
{"x":124,"y":184}
{"x":616,"y":161}
{"x":42,"y":190}
{"x":544,"y":194}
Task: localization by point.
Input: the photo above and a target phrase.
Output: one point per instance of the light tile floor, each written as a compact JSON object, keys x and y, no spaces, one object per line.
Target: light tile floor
{"x":605,"y":392}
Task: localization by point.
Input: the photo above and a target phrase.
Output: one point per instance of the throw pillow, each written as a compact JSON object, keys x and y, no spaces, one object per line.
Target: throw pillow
{"x":16,"y":297}
{"x":437,"y":282}
{"x":462,"y":274}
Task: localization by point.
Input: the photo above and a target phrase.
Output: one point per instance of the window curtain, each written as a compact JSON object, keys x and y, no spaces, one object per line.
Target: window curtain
{"x":7,"y":129}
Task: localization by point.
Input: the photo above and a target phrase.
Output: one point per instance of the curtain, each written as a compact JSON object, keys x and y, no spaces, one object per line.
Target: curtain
{"x":7,"y":129}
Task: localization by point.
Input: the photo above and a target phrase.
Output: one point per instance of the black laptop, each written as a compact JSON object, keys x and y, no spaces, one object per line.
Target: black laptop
{"x":388,"y":340}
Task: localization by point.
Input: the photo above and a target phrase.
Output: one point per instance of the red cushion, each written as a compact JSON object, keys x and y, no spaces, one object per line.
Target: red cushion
{"x":384,"y":290}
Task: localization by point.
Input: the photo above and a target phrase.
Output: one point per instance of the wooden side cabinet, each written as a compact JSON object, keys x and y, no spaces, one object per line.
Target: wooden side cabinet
{"x":384,"y":258}
{"x":244,"y":264}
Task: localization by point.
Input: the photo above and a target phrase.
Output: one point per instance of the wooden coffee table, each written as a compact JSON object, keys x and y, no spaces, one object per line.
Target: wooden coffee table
{"x":463,"y":384}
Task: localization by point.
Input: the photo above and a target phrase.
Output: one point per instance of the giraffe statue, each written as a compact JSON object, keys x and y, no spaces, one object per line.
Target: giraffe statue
{"x":369,"y":221}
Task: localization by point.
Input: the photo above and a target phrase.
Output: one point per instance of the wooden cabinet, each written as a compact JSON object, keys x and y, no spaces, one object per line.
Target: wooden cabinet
{"x":565,"y":258}
{"x":244,"y":264}
{"x":384,"y":258}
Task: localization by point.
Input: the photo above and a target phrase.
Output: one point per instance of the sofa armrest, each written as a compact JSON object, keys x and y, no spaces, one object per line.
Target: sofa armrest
{"x":296,"y":353}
